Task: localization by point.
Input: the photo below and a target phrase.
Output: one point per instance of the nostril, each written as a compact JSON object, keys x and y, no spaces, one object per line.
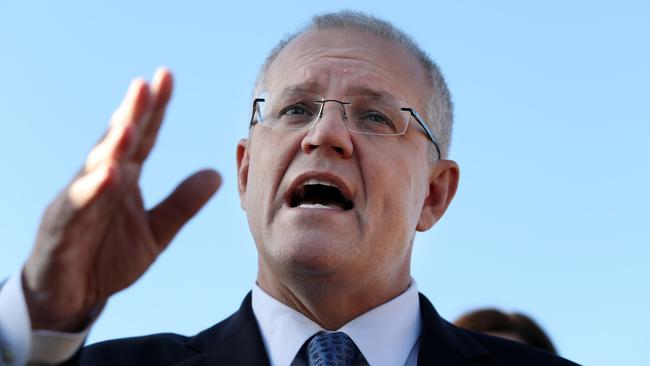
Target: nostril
{"x":338,"y":149}
{"x":309,"y":147}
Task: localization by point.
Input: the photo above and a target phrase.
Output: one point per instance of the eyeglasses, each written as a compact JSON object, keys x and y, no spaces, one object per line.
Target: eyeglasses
{"x":364,"y":114}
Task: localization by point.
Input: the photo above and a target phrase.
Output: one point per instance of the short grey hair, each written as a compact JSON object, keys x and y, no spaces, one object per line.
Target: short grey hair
{"x":439,"y":109}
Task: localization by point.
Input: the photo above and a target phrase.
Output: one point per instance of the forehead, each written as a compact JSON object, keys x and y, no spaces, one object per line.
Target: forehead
{"x":341,"y":62}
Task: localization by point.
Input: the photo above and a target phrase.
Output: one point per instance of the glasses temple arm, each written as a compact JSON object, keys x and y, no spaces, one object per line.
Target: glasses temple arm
{"x":417,"y":117}
{"x":255,"y":101}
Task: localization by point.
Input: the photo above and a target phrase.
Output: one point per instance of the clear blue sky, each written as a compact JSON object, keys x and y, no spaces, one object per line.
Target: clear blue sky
{"x":552,"y":104}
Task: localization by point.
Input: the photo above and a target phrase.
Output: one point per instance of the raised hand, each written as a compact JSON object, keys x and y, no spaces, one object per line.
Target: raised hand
{"x":96,"y":237}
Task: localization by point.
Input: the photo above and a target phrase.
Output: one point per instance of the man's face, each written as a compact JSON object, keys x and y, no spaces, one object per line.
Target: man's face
{"x":364,"y":232}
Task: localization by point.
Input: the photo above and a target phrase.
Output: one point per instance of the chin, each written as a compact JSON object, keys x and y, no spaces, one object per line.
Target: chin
{"x":311,"y":254}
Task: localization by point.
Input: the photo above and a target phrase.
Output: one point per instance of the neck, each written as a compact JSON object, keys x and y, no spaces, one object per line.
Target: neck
{"x":329,"y":301}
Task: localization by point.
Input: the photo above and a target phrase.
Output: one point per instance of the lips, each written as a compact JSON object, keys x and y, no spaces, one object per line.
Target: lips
{"x":319,"y":191}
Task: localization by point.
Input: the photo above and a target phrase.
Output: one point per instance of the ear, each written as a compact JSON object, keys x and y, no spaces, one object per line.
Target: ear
{"x":443,"y":183}
{"x":243,"y":160}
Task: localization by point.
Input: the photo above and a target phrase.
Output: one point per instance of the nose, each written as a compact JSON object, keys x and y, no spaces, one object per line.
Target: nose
{"x":329,"y":132}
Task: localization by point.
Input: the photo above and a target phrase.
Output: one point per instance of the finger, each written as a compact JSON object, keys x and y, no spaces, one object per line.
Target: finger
{"x":114,"y":146}
{"x":84,"y":190}
{"x":134,"y":104}
{"x":161,"y":86}
{"x":123,"y":131}
{"x":167,"y":218}
{"x":161,"y":90}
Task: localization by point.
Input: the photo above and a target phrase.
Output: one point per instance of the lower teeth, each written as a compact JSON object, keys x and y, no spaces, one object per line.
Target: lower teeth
{"x":314,"y":205}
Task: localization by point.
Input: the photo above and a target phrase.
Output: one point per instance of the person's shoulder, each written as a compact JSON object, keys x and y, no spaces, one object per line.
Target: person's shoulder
{"x":506,"y":352}
{"x":171,"y":348}
{"x":155,"y":349}
{"x":442,"y":340}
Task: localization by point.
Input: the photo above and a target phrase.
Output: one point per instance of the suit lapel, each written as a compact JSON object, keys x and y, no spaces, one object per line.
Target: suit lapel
{"x":237,"y":341}
{"x":234,"y":341}
{"x":442,"y":343}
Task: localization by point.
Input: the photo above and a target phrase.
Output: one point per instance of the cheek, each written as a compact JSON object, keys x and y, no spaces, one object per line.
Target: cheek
{"x":395,"y":192}
{"x":271,"y":155}
{"x":390,"y":221}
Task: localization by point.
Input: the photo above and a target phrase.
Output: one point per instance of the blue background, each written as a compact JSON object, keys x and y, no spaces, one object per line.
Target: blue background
{"x":552,"y":103}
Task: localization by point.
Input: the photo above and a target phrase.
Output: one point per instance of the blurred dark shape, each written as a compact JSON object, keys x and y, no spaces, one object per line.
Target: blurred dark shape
{"x":514,"y":326}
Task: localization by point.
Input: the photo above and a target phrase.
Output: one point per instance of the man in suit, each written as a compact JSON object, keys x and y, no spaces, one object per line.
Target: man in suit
{"x":346,"y":159}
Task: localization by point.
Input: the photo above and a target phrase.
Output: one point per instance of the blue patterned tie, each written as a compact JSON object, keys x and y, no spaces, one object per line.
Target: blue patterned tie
{"x":331,"y":349}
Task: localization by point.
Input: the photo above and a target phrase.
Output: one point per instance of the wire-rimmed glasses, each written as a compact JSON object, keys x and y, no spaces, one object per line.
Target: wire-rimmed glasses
{"x":365,"y":114}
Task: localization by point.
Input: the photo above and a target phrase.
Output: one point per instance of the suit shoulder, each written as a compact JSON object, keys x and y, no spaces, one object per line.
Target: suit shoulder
{"x":505,"y":352}
{"x":441,"y":339}
{"x":170,"y":348}
{"x":155,"y":349}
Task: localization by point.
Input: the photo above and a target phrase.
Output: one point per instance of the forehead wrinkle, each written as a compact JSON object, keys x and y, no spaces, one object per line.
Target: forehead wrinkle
{"x":318,"y":80}
{"x":384,"y":71}
{"x":301,"y":78}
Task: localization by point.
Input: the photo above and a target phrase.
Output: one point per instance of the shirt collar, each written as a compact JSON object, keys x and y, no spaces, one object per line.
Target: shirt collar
{"x":385,"y":335}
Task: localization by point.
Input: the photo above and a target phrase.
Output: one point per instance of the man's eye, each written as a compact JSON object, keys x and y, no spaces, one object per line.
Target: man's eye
{"x":294,"y":110}
{"x":378,"y":118}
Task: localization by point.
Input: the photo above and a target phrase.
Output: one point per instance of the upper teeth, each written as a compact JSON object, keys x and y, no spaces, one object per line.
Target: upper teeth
{"x":313,"y":181}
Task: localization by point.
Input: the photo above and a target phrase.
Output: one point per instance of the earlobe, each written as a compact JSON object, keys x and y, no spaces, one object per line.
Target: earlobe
{"x":443,"y":183}
{"x":243,"y":160}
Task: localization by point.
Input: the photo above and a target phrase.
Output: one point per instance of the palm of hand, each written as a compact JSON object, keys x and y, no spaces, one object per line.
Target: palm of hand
{"x":97,"y":238}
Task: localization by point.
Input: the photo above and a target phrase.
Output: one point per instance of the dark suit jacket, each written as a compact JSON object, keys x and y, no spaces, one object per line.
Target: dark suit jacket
{"x":237,"y":341}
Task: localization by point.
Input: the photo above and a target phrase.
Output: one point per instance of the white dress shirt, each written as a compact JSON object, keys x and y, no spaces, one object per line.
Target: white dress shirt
{"x":19,"y":344}
{"x":386,"y":335}
{"x":14,"y":325}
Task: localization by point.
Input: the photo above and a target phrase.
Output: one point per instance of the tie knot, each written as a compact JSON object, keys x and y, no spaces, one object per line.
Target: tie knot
{"x":331,"y":349}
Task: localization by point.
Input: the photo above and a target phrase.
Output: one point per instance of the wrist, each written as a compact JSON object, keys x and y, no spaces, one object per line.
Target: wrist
{"x":50,"y":311}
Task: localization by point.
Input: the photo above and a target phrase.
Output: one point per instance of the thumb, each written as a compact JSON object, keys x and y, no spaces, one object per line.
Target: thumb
{"x":169,"y":216}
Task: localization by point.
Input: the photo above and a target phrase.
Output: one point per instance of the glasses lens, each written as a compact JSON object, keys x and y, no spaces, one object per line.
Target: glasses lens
{"x":288,"y":109}
{"x":377,"y":115}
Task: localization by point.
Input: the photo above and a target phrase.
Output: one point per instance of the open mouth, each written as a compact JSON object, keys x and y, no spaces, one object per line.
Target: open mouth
{"x":314,"y":193}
